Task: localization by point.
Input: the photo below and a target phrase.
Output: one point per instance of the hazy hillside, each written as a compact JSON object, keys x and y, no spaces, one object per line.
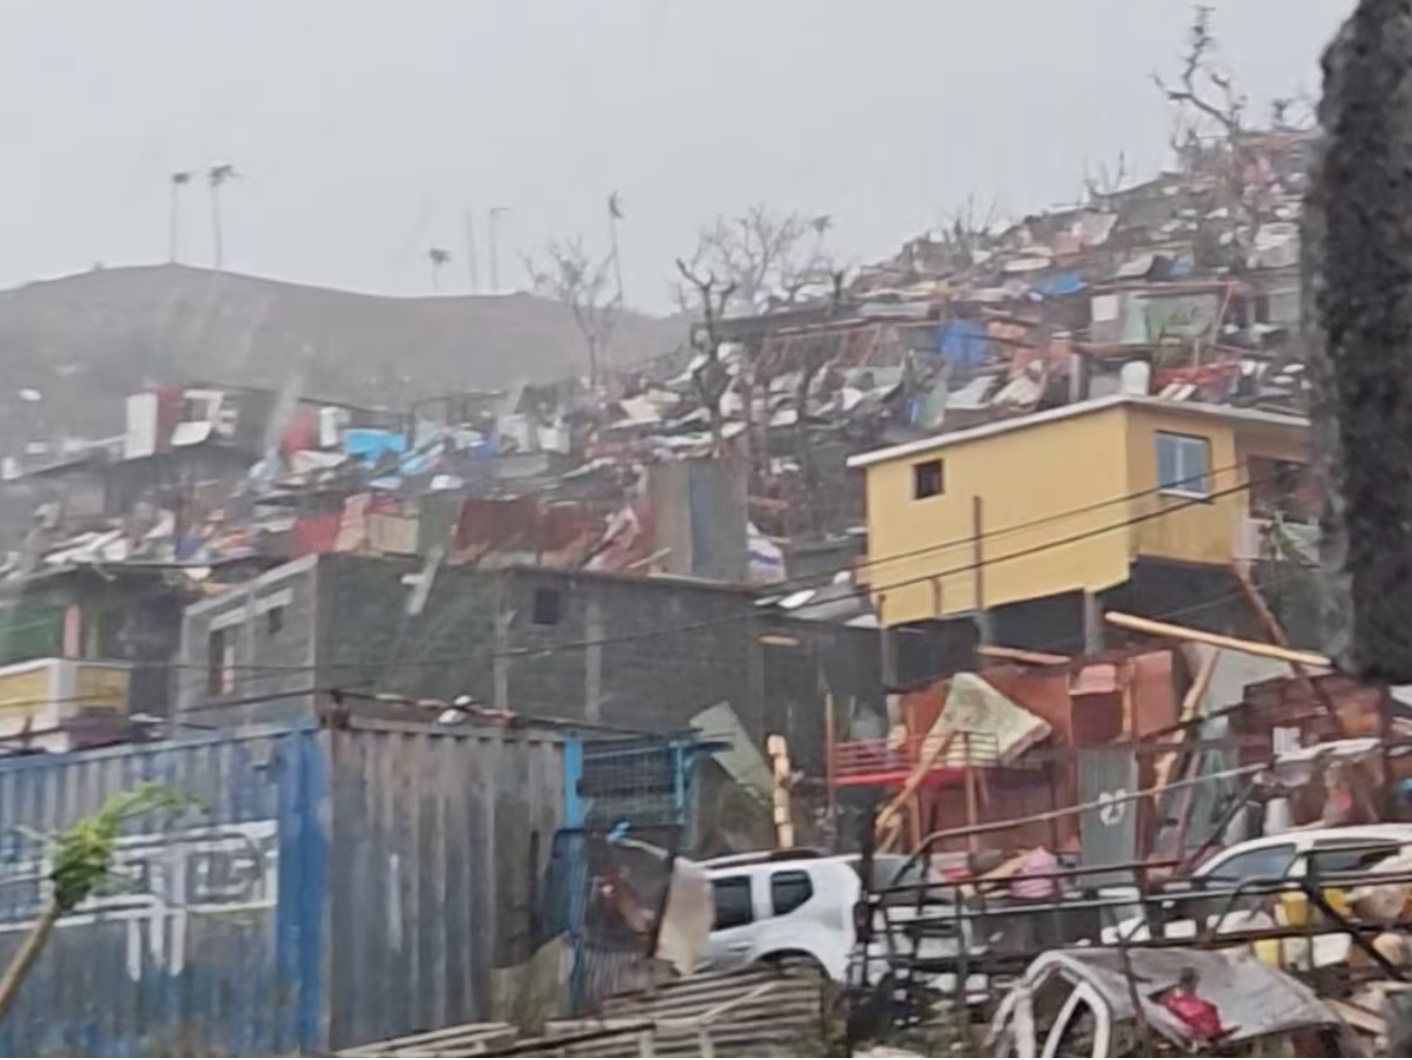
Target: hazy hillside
{"x":85,"y":341}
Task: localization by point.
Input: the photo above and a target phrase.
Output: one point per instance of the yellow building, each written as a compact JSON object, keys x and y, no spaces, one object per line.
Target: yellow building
{"x":1070,"y":499}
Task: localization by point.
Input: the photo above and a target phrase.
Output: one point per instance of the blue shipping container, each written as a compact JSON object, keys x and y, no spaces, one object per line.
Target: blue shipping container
{"x":326,"y":888}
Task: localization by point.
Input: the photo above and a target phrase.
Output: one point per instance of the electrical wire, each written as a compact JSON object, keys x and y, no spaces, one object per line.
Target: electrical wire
{"x":1029,"y":525}
{"x":355,"y":693}
{"x":531,"y":652}
{"x":272,"y":670}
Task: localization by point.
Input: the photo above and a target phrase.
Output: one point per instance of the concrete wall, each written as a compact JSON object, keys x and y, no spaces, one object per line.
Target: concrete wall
{"x":699,"y":516}
{"x":525,"y":638}
{"x":1021,"y":475}
{"x":645,"y":654}
{"x":270,"y":622}
{"x":1086,"y":477}
{"x":1199,"y":533}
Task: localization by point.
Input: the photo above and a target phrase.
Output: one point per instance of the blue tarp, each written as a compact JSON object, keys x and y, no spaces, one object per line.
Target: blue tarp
{"x":962,"y":343}
{"x":370,"y":445}
{"x":1055,"y":286}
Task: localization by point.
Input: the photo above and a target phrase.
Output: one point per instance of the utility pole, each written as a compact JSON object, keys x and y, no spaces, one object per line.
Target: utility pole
{"x":495,"y":212}
{"x":217,"y":177}
{"x":615,"y":214}
{"x":179,"y":180}
{"x":472,"y":268}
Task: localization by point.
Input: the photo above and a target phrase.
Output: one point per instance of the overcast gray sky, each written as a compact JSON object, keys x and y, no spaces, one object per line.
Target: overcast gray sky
{"x":364,"y":129}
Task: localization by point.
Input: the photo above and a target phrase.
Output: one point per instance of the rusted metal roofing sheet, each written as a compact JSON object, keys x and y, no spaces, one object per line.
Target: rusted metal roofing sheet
{"x":471,"y":1039}
{"x":759,"y":1011}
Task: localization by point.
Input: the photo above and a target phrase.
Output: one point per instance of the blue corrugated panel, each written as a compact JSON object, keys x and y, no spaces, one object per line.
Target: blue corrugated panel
{"x":325,"y":889}
{"x":202,"y":943}
{"x":963,"y":343}
{"x":438,"y":839}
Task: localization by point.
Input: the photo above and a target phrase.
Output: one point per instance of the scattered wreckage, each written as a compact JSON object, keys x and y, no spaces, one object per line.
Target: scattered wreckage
{"x":1109,"y":1002}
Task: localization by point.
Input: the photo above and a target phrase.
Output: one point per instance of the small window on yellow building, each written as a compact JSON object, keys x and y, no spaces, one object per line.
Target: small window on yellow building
{"x":1183,"y":464}
{"x":927,"y":480}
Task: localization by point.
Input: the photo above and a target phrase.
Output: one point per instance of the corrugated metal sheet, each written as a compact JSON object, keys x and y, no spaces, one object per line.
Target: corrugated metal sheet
{"x":756,"y":1012}
{"x":472,"y":1039}
{"x":209,"y":944}
{"x":1108,"y":834}
{"x":326,"y":888}
{"x":748,"y":1014}
{"x":431,"y":872}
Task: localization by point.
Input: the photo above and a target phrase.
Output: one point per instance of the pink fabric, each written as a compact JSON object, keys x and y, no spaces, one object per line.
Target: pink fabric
{"x":1036,"y":876}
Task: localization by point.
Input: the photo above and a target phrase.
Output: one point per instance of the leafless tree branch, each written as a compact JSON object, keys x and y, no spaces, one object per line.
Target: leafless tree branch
{"x":570,"y":275}
{"x":768,"y":260}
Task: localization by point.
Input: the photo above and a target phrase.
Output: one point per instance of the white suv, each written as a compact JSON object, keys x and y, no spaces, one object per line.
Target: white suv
{"x":794,"y":904}
{"x":1295,"y":854}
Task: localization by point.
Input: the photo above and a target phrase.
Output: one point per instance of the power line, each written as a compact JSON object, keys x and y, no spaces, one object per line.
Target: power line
{"x":354,"y":693}
{"x":745,"y":616}
{"x":272,"y":671}
{"x":1072,"y":539}
{"x":1031,"y":524}
{"x":1187,"y":609}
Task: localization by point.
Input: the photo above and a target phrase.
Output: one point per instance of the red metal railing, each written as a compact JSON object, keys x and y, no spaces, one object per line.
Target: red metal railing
{"x":892,"y":761}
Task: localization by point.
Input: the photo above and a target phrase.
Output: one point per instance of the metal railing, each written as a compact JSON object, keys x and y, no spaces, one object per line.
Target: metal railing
{"x":960,"y":944}
{"x":862,"y":761}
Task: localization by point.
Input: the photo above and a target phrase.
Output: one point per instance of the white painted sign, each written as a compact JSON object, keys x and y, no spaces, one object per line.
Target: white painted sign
{"x":159,"y":881}
{"x":1112,"y":806}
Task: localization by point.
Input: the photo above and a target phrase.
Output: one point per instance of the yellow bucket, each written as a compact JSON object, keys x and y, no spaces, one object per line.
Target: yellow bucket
{"x":1293,"y":908}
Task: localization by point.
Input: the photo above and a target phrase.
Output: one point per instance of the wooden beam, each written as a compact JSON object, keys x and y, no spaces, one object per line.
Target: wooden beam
{"x":1216,"y":640}
{"x":1191,"y":706}
{"x":937,"y":741}
{"x":971,"y":816}
{"x":830,"y":765}
{"x":1020,"y":655}
{"x":1261,"y":607}
{"x":784,"y":822}
{"x":1272,"y":625}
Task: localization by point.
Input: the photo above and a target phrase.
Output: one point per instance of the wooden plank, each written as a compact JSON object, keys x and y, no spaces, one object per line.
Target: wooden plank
{"x":933,"y":747}
{"x":784,"y":822}
{"x":1357,"y":1016}
{"x":1217,"y":640}
{"x":1191,"y":706}
{"x":830,"y":766}
{"x":1020,"y":655}
{"x":971,"y":816}
{"x":1272,"y":625}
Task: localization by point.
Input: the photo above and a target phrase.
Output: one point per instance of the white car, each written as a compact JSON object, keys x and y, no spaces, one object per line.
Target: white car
{"x":795,"y":905}
{"x":1290,"y":855}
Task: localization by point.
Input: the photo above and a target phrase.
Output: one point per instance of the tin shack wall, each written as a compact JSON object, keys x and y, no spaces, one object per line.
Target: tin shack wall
{"x":323,"y":889}
{"x":208,"y":941}
{"x":438,"y":838}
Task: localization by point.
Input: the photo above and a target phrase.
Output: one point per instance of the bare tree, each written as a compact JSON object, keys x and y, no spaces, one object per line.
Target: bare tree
{"x":708,"y":375}
{"x":747,"y":265}
{"x":439,"y":257}
{"x":615,"y":214}
{"x":1207,"y":100}
{"x":1107,"y":181}
{"x":1202,"y":86}
{"x":569,"y":274}
{"x":766,"y":259}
